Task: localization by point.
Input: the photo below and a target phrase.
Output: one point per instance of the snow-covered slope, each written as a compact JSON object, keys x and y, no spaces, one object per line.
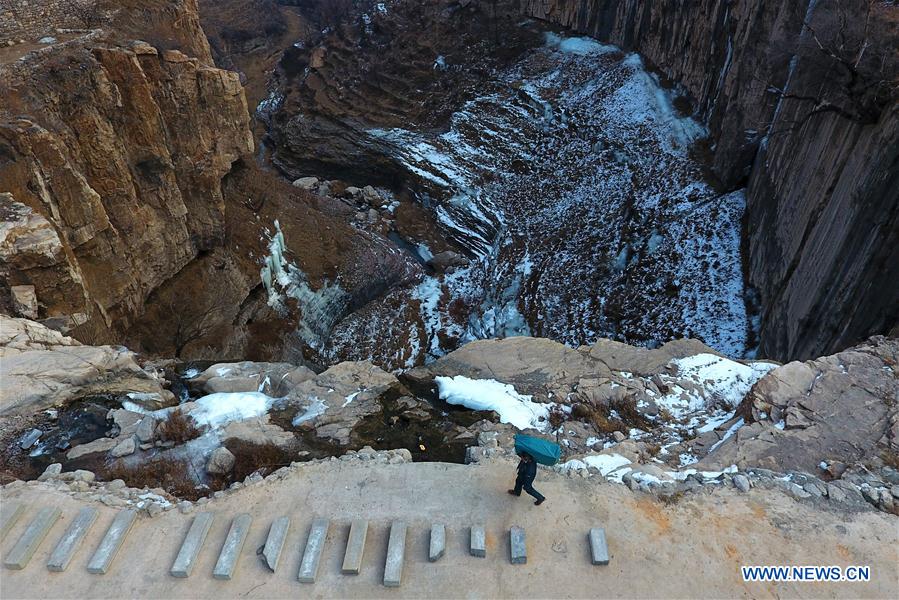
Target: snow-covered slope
{"x":570,"y":182}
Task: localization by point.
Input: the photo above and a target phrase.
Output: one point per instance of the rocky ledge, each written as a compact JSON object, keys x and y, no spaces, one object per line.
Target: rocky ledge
{"x":669,"y":420}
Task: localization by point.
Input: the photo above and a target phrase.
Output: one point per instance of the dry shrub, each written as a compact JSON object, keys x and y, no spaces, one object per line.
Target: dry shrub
{"x":627,"y":409}
{"x":250,"y":457}
{"x":179,"y":427}
{"x":556,"y":417}
{"x":171,"y":474}
{"x":890,"y":458}
{"x":601,"y":422}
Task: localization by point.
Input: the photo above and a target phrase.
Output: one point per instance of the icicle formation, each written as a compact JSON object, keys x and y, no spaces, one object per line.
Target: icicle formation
{"x":319,"y":309}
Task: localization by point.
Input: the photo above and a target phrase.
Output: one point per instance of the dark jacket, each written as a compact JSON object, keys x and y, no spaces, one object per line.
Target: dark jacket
{"x":527,"y":471}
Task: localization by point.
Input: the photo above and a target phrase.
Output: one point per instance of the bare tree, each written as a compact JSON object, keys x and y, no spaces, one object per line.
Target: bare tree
{"x":190,"y":321}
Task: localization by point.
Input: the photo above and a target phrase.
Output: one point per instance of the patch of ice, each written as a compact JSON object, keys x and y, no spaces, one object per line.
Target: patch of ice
{"x":350,"y":398}
{"x":606,"y":463}
{"x":489,"y":394}
{"x":315,"y":408}
{"x":727,"y":434}
{"x":191,"y":373}
{"x":591,"y":441}
{"x":687,"y":459}
{"x":582,"y":46}
{"x":216,"y":410}
{"x":780,"y":424}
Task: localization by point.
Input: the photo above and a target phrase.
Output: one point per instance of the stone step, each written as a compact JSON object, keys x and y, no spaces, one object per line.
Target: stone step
{"x":112,"y":541}
{"x":237,"y":535}
{"x":355,"y":547}
{"x":396,"y":554}
{"x":315,"y":543}
{"x":599,"y":551}
{"x":274,"y":543}
{"x":518,"y":546}
{"x":9,"y":516}
{"x":71,"y":540}
{"x":478,"y":541}
{"x":32,"y":537}
{"x":437,"y":546}
{"x":193,"y":543}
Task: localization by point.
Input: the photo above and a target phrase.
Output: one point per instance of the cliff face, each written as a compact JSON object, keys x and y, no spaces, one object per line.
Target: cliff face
{"x":822,"y":202}
{"x":132,"y":209}
{"x":122,"y":149}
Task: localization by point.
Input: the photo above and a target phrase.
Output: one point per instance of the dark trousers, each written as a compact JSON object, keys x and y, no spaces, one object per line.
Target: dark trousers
{"x":528,"y":487}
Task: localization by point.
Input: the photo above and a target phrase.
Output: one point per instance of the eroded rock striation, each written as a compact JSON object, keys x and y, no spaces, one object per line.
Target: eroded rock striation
{"x":819,"y":154}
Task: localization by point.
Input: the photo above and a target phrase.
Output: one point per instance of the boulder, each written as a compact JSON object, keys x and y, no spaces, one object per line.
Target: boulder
{"x":532,"y":365}
{"x":220,"y":462}
{"x":51,"y":472}
{"x":836,"y":408}
{"x":146,"y":430}
{"x":338,"y":399}
{"x":124,"y":448}
{"x":273,"y":379}
{"x":306,"y":183}
{"x":645,"y":362}
{"x":257,"y":431}
{"x":741,"y":482}
{"x":125,"y":418}
{"x":371,"y":196}
{"x":24,"y":300}
{"x":446,"y":259}
{"x":99,"y":445}
{"x":42,"y":367}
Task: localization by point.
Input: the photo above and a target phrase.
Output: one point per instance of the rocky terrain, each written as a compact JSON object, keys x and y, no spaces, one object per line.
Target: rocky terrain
{"x":439,"y":223}
{"x":661,"y":421}
{"x":153,"y":229}
{"x":805,"y":110}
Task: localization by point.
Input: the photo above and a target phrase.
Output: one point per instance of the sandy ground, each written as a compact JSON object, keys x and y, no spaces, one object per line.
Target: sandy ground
{"x":693,"y":548}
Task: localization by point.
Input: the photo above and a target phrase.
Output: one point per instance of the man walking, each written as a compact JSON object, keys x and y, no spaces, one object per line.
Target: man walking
{"x":527,"y":472}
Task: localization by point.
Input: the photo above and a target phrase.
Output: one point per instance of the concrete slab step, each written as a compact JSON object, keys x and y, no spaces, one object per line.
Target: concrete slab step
{"x":518,"y":546}
{"x":355,"y":548}
{"x":315,"y":543}
{"x":9,"y":516}
{"x":274,"y":543}
{"x":478,"y":541}
{"x":71,"y":540}
{"x":237,"y":535}
{"x":193,"y":543}
{"x":32,"y":537}
{"x":437,"y":547}
{"x":111,"y":542}
{"x":396,"y":554}
{"x":599,"y":550}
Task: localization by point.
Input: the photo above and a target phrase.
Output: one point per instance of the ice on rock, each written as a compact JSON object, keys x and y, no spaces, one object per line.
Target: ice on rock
{"x":489,"y":394}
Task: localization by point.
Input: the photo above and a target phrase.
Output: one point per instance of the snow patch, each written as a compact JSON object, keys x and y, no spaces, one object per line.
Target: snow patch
{"x":489,"y":394}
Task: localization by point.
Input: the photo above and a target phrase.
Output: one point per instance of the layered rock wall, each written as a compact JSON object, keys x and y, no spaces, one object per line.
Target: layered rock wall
{"x":822,"y":202}
{"x":122,"y":150}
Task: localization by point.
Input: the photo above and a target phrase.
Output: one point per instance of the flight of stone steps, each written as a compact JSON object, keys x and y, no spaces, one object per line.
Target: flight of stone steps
{"x":104,"y":554}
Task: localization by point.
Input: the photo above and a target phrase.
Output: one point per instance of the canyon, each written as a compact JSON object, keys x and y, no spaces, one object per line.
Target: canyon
{"x":363,"y":99}
{"x":246,"y":246}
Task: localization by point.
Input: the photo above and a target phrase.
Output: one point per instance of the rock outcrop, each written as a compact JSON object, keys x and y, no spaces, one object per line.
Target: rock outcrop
{"x":140,"y":197}
{"x":842,"y":408}
{"x":820,"y":157}
{"x":41,"y":368}
{"x":154,"y":228}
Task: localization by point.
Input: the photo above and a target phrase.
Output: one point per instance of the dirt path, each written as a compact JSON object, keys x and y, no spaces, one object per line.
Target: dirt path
{"x":693,"y":548}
